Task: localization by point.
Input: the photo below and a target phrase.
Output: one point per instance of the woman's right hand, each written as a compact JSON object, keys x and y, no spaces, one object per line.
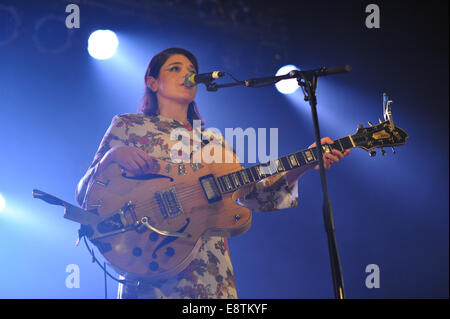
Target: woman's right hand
{"x":132,"y":159}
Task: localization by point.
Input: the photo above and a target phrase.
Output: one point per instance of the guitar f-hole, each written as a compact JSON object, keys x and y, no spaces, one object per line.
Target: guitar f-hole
{"x":170,"y":239}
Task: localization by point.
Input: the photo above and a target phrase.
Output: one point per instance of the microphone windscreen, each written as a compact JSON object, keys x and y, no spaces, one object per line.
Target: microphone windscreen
{"x":189,"y":79}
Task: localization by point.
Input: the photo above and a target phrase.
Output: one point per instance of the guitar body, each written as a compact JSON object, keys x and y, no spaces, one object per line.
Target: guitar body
{"x":171,"y":198}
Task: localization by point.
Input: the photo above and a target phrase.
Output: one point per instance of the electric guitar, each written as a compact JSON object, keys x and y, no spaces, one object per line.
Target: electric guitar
{"x":149,"y":226}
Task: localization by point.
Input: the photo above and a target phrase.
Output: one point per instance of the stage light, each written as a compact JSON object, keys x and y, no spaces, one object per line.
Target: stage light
{"x":102,"y":44}
{"x":286,"y":86}
{"x":2,"y":203}
{"x":9,"y":24}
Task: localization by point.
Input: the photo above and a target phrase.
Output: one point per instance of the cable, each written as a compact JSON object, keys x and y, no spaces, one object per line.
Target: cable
{"x":94,"y":259}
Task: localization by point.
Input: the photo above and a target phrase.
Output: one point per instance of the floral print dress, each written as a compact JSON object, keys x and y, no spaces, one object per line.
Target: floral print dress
{"x":210,"y":274}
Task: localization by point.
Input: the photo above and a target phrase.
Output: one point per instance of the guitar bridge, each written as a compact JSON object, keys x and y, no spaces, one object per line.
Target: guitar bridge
{"x":168,"y":203}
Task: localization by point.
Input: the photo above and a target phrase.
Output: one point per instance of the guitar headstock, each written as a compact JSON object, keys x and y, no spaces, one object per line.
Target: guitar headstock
{"x":384,"y":134}
{"x":378,"y":136}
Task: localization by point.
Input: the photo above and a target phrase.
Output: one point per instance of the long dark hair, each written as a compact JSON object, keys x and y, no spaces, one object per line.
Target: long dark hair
{"x":149,"y":104}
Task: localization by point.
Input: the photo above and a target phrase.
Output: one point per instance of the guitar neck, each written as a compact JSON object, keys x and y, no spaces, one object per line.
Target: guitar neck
{"x":233,"y":181}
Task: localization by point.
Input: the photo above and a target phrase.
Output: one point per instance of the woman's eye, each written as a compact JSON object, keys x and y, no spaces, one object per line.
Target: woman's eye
{"x":174,"y":68}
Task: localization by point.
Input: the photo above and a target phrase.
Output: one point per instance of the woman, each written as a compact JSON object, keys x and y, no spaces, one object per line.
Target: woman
{"x":133,"y":139}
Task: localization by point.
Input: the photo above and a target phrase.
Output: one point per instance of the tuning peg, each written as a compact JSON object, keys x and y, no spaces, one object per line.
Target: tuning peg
{"x":380,"y":121}
{"x":370,"y":123}
{"x":393,"y":150}
{"x":383,"y":152}
{"x":372,"y":153}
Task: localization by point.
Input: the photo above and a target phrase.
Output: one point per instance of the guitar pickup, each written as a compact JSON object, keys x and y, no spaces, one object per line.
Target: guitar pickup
{"x":210,"y":188}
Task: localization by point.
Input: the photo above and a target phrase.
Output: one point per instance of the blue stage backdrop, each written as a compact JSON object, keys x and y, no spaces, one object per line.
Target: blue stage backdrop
{"x":56,"y":102}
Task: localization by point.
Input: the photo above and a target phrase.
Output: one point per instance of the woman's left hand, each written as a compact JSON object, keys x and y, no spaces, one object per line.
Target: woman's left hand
{"x":330,"y":158}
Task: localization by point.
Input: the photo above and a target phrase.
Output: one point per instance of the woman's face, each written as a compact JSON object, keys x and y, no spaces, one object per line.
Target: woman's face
{"x":170,"y":83}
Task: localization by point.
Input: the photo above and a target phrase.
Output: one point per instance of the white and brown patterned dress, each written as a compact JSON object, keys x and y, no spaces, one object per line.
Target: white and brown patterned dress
{"x":210,"y":274}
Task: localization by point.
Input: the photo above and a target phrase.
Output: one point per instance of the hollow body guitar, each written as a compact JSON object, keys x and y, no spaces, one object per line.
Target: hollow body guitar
{"x":149,"y":226}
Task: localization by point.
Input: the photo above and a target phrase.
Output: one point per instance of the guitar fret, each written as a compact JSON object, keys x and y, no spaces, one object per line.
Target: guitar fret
{"x":254,"y":172}
{"x":221,"y":184}
{"x":235,"y":180}
{"x":248,"y":173}
{"x":308,"y":156}
{"x":285,"y":163}
{"x":293,"y":160}
{"x":340,"y":143}
{"x":240,"y":178}
{"x":280,"y":167}
{"x":314,"y":154}
{"x":288,"y":163}
{"x":300,"y":159}
{"x":224,"y":184}
{"x":304,"y":157}
{"x":346,"y":143}
{"x":351,"y":140}
{"x":227,"y":182}
{"x":233,"y":186}
{"x":258,"y":173}
{"x":245,"y":177}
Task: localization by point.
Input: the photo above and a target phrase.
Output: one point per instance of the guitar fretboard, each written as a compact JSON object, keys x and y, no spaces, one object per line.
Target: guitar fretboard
{"x":233,"y":181}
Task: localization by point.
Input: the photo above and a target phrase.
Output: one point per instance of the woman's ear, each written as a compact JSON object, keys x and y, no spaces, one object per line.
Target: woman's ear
{"x":152,"y":84}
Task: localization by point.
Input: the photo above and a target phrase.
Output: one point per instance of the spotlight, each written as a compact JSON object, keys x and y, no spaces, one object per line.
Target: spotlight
{"x":2,"y":203}
{"x":102,"y":44}
{"x":51,"y":34}
{"x":9,"y":24}
{"x":286,"y":86}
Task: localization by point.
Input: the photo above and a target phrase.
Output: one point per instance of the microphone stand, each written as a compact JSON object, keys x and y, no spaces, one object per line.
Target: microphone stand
{"x":307,"y":80}
{"x":310,"y":84}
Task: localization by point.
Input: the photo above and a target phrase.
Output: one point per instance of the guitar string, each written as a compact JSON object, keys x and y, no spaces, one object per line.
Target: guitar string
{"x":182,"y":195}
{"x":190,"y":190}
{"x":195,"y":190}
{"x":187,"y":193}
{"x":152,"y":204}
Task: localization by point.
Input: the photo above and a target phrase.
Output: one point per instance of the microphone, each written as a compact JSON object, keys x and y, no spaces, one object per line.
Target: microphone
{"x":192,"y":79}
